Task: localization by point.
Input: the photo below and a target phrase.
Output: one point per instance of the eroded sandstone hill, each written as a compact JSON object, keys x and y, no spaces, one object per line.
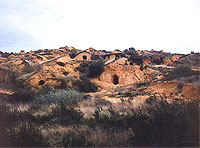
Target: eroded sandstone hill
{"x":61,"y":67}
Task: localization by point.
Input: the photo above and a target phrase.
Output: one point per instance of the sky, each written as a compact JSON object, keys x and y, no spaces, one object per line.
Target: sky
{"x":169,"y":25}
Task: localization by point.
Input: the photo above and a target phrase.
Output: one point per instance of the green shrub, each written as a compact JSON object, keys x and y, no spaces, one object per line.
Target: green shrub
{"x":83,"y":67}
{"x":158,"y":123}
{"x":180,"y":71}
{"x":157,"y":59}
{"x":73,"y":53}
{"x":7,"y":118}
{"x":166,"y":124}
{"x":73,"y":139}
{"x":64,"y":81}
{"x":103,"y":102}
{"x":30,"y":117}
{"x":28,"y":69}
{"x":60,"y":96}
{"x":67,"y":115}
{"x":4,"y":54}
{"x":95,"y":57}
{"x":85,"y":85}
{"x":183,"y":70}
{"x":107,"y":118}
{"x":91,"y":69}
{"x":4,"y":137}
{"x":23,"y":92}
{"x":45,"y":89}
{"x":135,"y":58}
{"x":7,"y":121}
{"x":27,"y":135}
{"x":95,"y":69}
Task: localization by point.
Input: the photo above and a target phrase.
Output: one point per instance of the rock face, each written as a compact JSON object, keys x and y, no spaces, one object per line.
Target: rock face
{"x":57,"y":65}
{"x":38,"y":59}
{"x":117,"y":73}
{"x":50,"y":72}
{"x":175,"y":57}
{"x":172,"y":89}
{"x":64,"y":59}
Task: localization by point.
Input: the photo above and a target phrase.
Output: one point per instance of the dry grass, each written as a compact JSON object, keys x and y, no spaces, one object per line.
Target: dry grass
{"x":99,"y":136}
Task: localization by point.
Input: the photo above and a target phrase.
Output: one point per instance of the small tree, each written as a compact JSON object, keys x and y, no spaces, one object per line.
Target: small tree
{"x":27,"y":135}
{"x":96,"y":68}
{"x":91,"y":69}
{"x":85,"y":85}
{"x":183,"y":70}
{"x":136,"y":59}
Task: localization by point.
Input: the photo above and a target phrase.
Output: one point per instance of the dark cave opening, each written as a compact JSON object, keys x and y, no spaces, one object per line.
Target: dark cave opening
{"x":115,"y":80}
{"x":41,"y":82}
{"x":84,"y":57}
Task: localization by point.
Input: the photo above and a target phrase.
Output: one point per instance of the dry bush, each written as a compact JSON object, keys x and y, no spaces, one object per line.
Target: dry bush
{"x":85,"y":85}
{"x":60,"y":96}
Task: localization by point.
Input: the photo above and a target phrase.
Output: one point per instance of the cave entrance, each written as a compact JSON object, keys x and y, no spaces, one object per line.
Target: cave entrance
{"x":41,"y":82}
{"x":115,"y":80}
{"x":84,"y":57}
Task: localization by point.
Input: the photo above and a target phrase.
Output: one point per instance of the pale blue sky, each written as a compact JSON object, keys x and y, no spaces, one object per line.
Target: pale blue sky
{"x":169,"y":25}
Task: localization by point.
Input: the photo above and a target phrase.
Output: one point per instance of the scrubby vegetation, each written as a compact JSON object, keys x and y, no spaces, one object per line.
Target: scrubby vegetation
{"x":24,"y":92}
{"x":24,"y":135}
{"x":85,"y":85}
{"x":4,"y":54}
{"x":27,"y":135}
{"x":157,"y":123}
{"x":181,"y":71}
{"x":67,"y":115}
{"x":91,"y":69}
{"x":135,"y":58}
{"x":61,"y":96}
{"x":157,"y":59}
{"x":27,"y":69}
{"x":61,"y":115}
{"x":73,"y":139}
{"x":95,"y":69}
{"x":73,"y":53}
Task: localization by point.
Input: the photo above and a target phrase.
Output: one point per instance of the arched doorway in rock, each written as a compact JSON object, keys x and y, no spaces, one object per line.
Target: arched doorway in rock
{"x":84,"y":57}
{"x":41,"y":82}
{"x":116,"y":56}
{"x":115,"y":79}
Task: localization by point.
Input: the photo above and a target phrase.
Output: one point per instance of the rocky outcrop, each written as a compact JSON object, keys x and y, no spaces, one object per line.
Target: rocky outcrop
{"x":117,"y":73}
{"x":64,"y":59}
{"x":175,"y":57}
{"x":174,"y":89}
{"x":43,"y":67}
